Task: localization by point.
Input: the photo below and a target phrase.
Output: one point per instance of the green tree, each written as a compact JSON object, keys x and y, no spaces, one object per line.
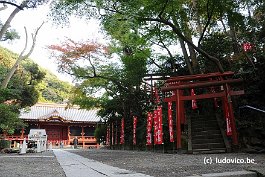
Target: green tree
{"x":9,"y":119}
{"x":25,"y":4}
{"x":22,"y":56}
{"x":20,"y":93}
{"x":136,"y":27}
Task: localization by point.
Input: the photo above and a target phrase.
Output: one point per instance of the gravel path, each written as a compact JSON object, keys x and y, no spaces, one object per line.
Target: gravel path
{"x":30,"y":165}
{"x":158,"y":164}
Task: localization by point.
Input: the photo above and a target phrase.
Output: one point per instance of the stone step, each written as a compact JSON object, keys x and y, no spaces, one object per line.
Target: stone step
{"x":207,"y":140}
{"x":204,"y":128}
{"x":206,"y":136}
{"x":209,"y":151}
{"x":203,"y":118}
{"x":208,"y":146}
{"x":195,"y":116}
{"x":204,"y":124}
{"x":206,"y":132}
{"x":203,"y":121}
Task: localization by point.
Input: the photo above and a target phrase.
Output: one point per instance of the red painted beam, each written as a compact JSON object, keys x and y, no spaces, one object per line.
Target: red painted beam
{"x":169,"y":99}
{"x":204,"y":96}
{"x":199,"y":76}
{"x":201,"y":84}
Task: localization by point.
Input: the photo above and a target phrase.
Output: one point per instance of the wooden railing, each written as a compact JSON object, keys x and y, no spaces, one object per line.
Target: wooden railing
{"x":82,"y":140}
{"x":85,"y":139}
{"x":15,"y":137}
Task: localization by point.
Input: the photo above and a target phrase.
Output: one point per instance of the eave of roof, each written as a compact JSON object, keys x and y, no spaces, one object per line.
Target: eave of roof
{"x":43,"y":111}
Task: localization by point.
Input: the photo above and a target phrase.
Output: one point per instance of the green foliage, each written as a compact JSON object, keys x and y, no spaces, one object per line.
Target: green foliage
{"x":100,"y":133}
{"x":10,"y":34}
{"x":5,"y":144}
{"x":219,"y":45}
{"x":35,"y":73}
{"x":138,"y":27}
{"x":6,"y":58}
{"x":9,"y":120}
{"x":51,"y":89}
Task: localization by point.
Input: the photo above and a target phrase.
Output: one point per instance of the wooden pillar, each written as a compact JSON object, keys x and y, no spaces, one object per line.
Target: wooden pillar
{"x":112,"y":134}
{"x":116,"y":134}
{"x":68,"y":135}
{"x":178,"y":117}
{"x":182,"y":118}
{"x":83,"y":139}
{"x":22,"y":133}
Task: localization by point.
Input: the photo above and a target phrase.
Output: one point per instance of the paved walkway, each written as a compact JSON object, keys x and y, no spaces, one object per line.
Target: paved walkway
{"x":78,"y":166}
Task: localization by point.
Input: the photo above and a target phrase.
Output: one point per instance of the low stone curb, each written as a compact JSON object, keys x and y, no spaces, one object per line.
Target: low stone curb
{"x":229,"y":174}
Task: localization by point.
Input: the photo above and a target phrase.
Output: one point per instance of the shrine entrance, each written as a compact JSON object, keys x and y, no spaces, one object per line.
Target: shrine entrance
{"x":202,"y":86}
{"x":62,"y":125}
{"x":56,"y":132}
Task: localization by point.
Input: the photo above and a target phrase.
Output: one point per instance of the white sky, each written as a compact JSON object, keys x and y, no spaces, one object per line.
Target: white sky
{"x":78,"y":30}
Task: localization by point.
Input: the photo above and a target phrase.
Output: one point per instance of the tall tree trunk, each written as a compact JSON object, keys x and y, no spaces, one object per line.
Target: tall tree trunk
{"x":11,"y":73}
{"x":194,"y":61}
{"x":233,"y":36}
{"x":183,"y":48}
{"x":7,"y":23}
{"x":10,"y":18}
{"x":185,"y":54}
{"x":232,"y":33}
{"x":193,"y":56}
{"x":187,"y":33}
{"x":197,"y":16}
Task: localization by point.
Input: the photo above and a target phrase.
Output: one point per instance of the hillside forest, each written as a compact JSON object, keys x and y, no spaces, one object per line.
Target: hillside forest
{"x":29,"y":85}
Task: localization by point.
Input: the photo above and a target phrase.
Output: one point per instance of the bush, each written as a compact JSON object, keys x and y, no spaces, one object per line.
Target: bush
{"x":4,"y":144}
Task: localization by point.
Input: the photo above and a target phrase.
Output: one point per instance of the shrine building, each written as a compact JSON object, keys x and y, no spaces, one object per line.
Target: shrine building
{"x":61,"y":124}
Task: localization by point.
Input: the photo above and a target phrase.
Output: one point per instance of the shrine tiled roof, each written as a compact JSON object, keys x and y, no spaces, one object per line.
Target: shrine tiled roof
{"x":45,"y":111}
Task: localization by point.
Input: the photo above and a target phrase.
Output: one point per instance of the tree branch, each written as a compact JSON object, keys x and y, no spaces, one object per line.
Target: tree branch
{"x":163,"y":44}
{"x":13,"y":4}
{"x":209,"y":15}
{"x":106,"y":9}
{"x":93,"y":67}
{"x":153,"y":61}
{"x":163,"y":9}
{"x":178,"y":32}
{"x":21,"y":56}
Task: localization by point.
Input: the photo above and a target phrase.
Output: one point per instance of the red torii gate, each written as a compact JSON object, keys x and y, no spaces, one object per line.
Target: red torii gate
{"x":210,"y":80}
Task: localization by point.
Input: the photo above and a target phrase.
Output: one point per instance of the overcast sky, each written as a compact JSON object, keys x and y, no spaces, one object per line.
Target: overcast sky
{"x":78,"y":30}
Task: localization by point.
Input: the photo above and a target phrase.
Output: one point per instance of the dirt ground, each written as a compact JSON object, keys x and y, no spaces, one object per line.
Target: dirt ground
{"x":30,"y":165}
{"x":168,"y":165}
{"x":155,"y":164}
